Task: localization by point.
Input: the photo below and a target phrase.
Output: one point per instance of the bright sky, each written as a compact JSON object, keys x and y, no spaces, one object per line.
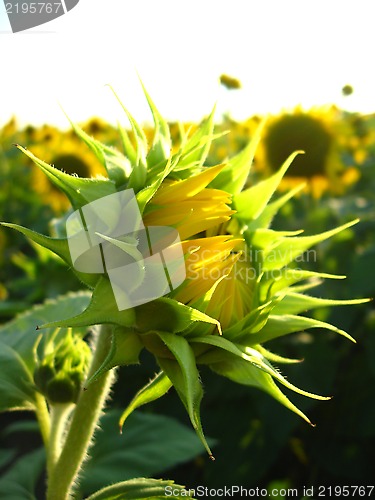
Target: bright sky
{"x":285,"y":52}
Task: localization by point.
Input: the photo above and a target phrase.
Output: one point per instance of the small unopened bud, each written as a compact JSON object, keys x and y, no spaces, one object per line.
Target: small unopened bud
{"x":60,"y":374}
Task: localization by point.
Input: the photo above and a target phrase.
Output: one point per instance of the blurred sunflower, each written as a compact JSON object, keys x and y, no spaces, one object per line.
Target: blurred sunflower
{"x":65,"y":152}
{"x":363,"y":138}
{"x":323,"y":134}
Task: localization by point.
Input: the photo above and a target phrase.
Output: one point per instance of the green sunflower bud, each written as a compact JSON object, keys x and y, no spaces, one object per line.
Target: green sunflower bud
{"x":60,"y":374}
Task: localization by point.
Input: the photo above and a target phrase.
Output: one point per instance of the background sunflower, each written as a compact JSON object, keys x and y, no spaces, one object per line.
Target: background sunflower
{"x":323,"y":134}
{"x":65,"y":151}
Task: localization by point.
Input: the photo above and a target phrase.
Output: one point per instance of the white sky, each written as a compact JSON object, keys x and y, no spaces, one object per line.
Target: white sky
{"x":285,"y":52}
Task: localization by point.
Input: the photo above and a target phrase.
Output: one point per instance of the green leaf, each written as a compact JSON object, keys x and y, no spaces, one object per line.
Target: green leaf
{"x":290,"y":248}
{"x":20,"y":481}
{"x":16,"y":381}
{"x":295,"y":303}
{"x":245,"y":373}
{"x":140,"y":488}
{"x":20,"y":333}
{"x":79,"y":191}
{"x":21,"y":426}
{"x":251,"y":202}
{"x":155,"y":389}
{"x":233,"y":178}
{"x":6,"y":456}
{"x":150,"y":444}
{"x":183,"y":373}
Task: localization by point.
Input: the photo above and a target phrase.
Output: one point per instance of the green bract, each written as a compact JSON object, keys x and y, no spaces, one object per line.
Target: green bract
{"x":223,"y":321}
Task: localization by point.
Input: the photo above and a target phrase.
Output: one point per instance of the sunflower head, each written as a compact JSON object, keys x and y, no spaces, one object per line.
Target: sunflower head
{"x":238,"y":292}
{"x":323,"y":134}
{"x":292,"y":132}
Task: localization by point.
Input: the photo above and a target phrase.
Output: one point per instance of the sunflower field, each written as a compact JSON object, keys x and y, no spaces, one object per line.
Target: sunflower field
{"x":266,"y":210}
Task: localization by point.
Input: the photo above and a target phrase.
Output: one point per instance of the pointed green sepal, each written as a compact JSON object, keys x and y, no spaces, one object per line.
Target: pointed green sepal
{"x":183,"y":373}
{"x":265,"y":218}
{"x":276,"y":358}
{"x":116,"y":164}
{"x":58,"y":246}
{"x":278,"y":326}
{"x":101,"y":310}
{"x":255,"y":358}
{"x":272,"y":282}
{"x":125,"y":349}
{"x":289,"y":249}
{"x":161,"y":146}
{"x":245,"y":373}
{"x":155,"y":389}
{"x":251,"y":202}
{"x":233,"y":178}
{"x":168,"y":315}
{"x":295,"y":303}
{"x":138,"y":175}
{"x":194,"y":152}
{"x":80,"y":191}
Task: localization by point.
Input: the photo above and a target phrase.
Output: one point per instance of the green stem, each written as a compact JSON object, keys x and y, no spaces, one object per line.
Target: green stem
{"x":59,"y":415}
{"x":43,"y":417}
{"x":83,"y":424}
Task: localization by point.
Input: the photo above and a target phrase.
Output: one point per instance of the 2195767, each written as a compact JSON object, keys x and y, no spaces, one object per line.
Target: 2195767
{"x":344,"y":491}
{"x":34,"y":8}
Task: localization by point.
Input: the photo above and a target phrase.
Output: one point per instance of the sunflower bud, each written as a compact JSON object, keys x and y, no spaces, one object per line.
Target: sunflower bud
{"x":59,"y":375}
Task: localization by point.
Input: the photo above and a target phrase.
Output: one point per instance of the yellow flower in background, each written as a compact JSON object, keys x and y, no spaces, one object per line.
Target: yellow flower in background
{"x":232,"y":137}
{"x":65,"y":152}
{"x":8,"y":130}
{"x":324,"y":135}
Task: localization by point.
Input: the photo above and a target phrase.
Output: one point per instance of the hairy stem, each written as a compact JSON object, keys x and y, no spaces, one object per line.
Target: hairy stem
{"x":43,"y":417}
{"x":59,"y":415}
{"x":83,"y":424}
